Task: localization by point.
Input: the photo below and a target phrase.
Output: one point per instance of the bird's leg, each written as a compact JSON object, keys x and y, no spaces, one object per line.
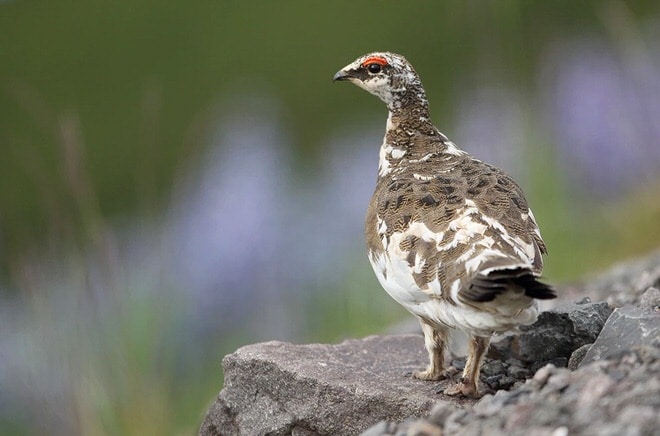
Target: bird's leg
{"x":434,"y":341}
{"x":467,"y":386}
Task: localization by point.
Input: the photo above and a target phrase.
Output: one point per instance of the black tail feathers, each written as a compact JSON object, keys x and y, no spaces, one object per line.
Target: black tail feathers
{"x":486,"y":288}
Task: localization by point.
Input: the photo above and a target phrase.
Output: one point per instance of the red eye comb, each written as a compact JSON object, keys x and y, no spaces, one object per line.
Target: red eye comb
{"x":375,"y":60}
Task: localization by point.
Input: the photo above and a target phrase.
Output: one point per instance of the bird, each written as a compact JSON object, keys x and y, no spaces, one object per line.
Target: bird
{"x":450,"y":238}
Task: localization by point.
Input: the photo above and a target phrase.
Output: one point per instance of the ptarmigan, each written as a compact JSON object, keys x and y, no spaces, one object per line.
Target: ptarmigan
{"x":449,"y":237}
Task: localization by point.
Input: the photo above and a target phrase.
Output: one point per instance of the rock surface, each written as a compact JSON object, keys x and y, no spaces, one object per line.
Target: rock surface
{"x":582,"y":368}
{"x":278,"y":388}
{"x":628,"y":327}
{"x":555,"y":335}
{"x":610,"y":388}
{"x":626,"y":282}
{"x":617,"y":397}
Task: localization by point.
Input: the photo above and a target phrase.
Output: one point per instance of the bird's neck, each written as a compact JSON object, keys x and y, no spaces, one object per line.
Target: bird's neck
{"x":410,"y":136}
{"x":409,"y":128}
{"x":409,"y":110}
{"x":415,"y":117}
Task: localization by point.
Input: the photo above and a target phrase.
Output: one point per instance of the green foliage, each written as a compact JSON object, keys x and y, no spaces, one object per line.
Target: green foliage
{"x":141,"y":76}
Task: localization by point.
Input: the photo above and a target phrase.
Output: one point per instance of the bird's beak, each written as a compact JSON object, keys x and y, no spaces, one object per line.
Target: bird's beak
{"x":341,"y":75}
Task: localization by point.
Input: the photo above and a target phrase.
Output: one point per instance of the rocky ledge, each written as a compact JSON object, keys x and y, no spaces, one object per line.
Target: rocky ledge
{"x":582,"y":368}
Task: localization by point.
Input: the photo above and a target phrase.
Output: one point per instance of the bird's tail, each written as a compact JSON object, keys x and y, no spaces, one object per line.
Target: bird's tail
{"x":485,"y":287}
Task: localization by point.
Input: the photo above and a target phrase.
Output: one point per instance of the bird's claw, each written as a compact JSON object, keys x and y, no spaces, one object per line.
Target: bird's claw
{"x":430,"y":375}
{"x":463,"y":388}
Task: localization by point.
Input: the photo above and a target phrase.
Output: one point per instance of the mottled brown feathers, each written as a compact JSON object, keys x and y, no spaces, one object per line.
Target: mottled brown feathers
{"x":452,"y":179}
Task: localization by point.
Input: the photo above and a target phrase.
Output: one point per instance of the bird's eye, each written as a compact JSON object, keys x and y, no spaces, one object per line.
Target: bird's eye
{"x":374,"y":68}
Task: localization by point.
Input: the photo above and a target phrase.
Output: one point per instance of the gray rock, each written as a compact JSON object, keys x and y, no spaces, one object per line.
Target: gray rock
{"x":620,"y":396}
{"x":626,"y":328}
{"x":380,"y":429}
{"x":441,"y":411}
{"x":650,"y":299}
{"x":420,"y":428}
{"x":625,"y":282}
{"x":276,"y":387}
{"x":555,"y":335}
{"x":409,"y":427}
{"x":280,"y":388}
{"x":577,"y":357}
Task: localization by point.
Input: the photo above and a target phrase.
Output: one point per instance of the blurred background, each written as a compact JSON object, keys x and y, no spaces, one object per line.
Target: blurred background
{"x":181,"y":178}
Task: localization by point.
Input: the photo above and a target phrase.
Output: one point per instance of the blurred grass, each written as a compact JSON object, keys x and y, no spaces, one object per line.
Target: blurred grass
{"x":101,"y":103}
{"x":104,"y":61}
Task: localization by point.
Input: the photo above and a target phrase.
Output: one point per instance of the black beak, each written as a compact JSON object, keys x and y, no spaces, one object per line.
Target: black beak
{"x":341,"y":75}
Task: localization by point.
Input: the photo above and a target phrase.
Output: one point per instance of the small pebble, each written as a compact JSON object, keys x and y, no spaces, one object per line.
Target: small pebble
{"x":542,"y":374}
{"x":518,"y":372}
{"x":493,"y":367}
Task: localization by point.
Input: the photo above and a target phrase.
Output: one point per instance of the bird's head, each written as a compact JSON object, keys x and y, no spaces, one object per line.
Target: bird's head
{"x":388,"y":76}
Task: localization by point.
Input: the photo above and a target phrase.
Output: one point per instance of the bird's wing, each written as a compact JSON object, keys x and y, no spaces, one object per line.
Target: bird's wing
{"x":458,"y":225}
